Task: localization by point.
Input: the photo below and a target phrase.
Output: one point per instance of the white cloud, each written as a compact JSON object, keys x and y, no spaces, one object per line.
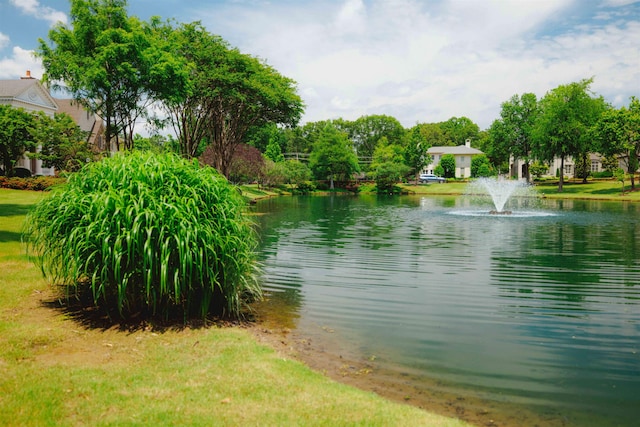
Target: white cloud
{"x":35,"y":9}
{"x":4,"y":41}
{"x":17,"y":65}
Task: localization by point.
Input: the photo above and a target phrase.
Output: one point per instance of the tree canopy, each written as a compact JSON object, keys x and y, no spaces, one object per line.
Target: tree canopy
{"x":15,"y":136}
{"x":232,"y":94}
{"x":567,"y":113}
{"x":332,"y":156}
{"x":511,"y":135}
{"x":617,"y":133}
{"x":113,"y":64}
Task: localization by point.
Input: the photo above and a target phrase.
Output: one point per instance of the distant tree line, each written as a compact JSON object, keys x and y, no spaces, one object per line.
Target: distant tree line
{"x":239,"y":115}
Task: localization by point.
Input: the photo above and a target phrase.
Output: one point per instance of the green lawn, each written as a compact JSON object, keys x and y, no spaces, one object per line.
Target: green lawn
{"x":56,"y":370}
{"x":601,"y":189}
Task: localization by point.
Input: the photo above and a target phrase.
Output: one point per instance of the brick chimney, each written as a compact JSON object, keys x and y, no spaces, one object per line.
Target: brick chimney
{"x":28,"y":76}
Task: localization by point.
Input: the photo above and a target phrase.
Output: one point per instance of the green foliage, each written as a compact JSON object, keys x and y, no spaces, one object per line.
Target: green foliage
{"x":113,"y":64}
{"x":263,"y":135}
{"x":617,"y":134}
{"x":416,"y":146}
{"x":480,"y":166}
{"x":438,"y":170}
{"x":609,"y":163}
{"x":537,"y":169}
{"x":620,"y":176}
{"x":275,"y":174}
{"x":332,"y":156}
{"x":566,"y":115}
{"x":234,"y":94}
{"x":512,"y":134}
{"x":63,"y":145}
{"x":298,"y":174}
{"x":603,"y":174}
{"x":15,"y":136}
{"x":147,"y":233}
{"x":273,"y":151}
{"x":387,"y":167}
{"x":457,"y":130}
{"x":387,"y":175}
{"x":448,"y":164}
{"x":156,"y":143}
{"x":367,"y":131}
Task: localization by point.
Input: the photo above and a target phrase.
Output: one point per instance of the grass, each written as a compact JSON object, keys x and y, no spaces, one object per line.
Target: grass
{"x":593,"y":190}
{"x":55,"y":370}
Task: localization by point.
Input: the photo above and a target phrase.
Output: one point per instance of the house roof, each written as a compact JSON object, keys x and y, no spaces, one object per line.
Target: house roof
{"x":79,"y":114}
{"x":27,"y":92}
{"x":459,"y":150}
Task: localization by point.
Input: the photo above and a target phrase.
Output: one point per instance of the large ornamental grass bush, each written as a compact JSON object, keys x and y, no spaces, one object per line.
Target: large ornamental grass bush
{"x":148,"y":233}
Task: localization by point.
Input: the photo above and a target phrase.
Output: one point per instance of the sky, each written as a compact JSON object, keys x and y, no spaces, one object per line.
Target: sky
{"x":420,"y":61}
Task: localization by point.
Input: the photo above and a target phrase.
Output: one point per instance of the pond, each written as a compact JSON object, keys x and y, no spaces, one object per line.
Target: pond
{"x":530,"y":319}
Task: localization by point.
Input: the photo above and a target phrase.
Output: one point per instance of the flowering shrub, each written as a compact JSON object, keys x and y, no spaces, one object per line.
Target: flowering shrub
{"x":37,"y":183}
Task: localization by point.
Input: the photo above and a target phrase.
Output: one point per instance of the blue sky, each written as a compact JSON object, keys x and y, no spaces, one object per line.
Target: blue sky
{"x":420,"y":61}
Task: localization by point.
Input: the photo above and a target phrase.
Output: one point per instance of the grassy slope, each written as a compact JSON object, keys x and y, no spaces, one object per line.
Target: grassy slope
{"x":57,"y":371}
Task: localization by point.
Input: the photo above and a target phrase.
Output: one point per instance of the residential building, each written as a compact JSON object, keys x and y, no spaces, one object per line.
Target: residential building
{"x":30,"y":94}
{"x":462,"y":153}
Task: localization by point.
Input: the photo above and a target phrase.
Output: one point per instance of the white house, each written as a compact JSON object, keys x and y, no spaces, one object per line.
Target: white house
{"x":462,"y":153}
{"x":30,"y":94}
{"x":518,"y":168}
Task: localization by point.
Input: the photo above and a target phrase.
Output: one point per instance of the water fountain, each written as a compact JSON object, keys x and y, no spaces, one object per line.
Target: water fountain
{"x":499,"y":191}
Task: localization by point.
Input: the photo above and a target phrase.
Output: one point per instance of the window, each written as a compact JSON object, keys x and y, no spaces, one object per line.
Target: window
{"x":568,"y":169}
{"x":595,"y":166}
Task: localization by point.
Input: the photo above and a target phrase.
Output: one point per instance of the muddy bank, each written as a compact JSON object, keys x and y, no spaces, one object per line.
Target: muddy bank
{"x":323,"y":355}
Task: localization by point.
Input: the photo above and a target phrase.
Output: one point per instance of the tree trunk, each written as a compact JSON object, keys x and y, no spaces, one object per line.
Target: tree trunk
{"x":561,"y":181}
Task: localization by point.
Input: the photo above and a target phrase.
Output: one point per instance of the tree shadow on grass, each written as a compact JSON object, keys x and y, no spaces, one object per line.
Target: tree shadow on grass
{"x":10,"y":236}
{"x":14,"y":209}
{"x":82,"y":310}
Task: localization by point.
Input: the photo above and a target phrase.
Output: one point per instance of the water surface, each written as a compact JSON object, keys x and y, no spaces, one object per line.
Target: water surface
{"x":538,"y":313}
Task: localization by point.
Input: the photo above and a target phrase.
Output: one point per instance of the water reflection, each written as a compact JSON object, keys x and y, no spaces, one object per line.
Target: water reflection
{"x":540,"y":311}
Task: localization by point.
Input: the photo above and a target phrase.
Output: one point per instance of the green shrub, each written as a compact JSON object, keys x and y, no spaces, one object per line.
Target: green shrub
{"x":603,"y":174}
{"x":148,"y":233}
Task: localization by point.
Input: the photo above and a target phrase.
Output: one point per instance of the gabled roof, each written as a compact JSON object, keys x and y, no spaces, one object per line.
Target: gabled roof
{"x":460,"y":150}
{"x":79,"y":114}
{"x":27,"y":93}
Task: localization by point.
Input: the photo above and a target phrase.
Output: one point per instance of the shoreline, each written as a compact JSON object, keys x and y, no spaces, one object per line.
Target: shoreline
{"x":343,"y":366}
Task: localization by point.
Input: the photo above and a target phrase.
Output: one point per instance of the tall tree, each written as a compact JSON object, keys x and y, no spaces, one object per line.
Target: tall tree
{"x":231,"y":94}
{"x":367,"y":131}
{"x":566,"y":114}
{"x":111,"y":63}
{"x":189,"y":115}
{"x":457,"y":130}
{"x":245,"y":92}
{"x":63,"y":145}
{"x":302,"y":138}
{"x":416,"y":146}
{"x":617,"y":133}
{"x":388,"y":165}
{"x":512,"y":133}
{"x":333,"y":156}
{"x":15,"y":136}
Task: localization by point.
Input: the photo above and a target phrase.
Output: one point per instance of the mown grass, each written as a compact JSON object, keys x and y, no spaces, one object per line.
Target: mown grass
{"x":57,"y":371}
{"x":595,"y":190}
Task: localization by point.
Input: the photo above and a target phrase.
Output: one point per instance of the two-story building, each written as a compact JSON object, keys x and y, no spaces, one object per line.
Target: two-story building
{"x":28,"y":93}
{"x":462,"y":153}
